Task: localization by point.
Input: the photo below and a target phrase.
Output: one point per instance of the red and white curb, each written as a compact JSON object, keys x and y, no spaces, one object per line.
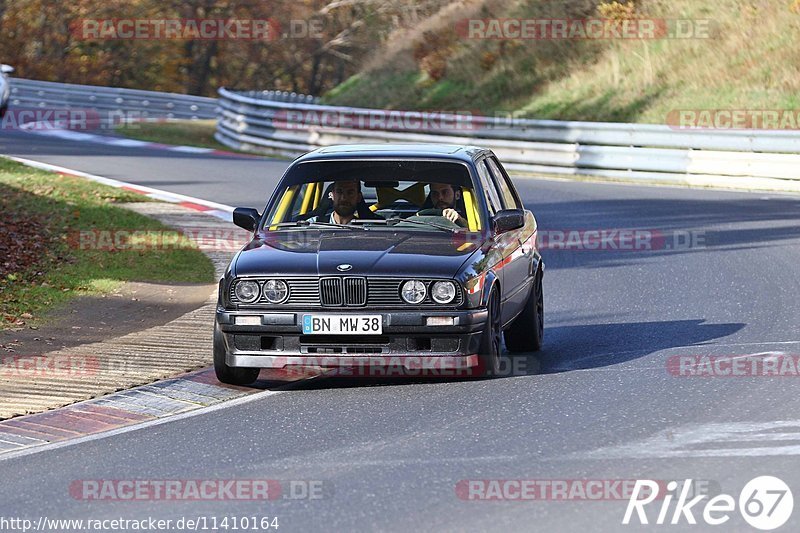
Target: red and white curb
{"x":157,"y":400}
{"x":171,"y":399}
{"x":214,"y":209}
{"x":192,"y":394}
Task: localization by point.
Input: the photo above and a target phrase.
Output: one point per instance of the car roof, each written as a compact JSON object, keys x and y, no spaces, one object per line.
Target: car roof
{"x":394,"y":151}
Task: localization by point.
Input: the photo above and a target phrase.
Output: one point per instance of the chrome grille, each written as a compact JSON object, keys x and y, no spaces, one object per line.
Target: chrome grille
{"x":310,"y":292}
{"x":383,"y":291}
{"x":351,"y":292}
{"x":355,"y":291}
{"x":330,"y":290}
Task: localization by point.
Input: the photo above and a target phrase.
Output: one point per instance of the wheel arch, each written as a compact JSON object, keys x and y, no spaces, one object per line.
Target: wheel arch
{"x":491,"y":281}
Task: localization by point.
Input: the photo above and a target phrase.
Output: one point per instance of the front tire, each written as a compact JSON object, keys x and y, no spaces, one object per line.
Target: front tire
{"x":228,"y":374}
{"x":526,"y":333}
{"x":491,"y":339}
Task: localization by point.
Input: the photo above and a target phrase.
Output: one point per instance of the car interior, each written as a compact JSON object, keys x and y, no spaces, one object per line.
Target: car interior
{"x":390,"y":191}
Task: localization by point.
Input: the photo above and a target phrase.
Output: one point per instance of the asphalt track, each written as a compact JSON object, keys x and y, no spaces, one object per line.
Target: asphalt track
{"x":597,"y":404}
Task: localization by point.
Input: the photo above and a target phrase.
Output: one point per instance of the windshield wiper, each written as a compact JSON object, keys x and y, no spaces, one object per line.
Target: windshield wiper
{"x":363,"y":221}
{"x":287,"y":224}
{"x":395,"y":221}
{"x":306,"y":223}
{"x":333,"y":225}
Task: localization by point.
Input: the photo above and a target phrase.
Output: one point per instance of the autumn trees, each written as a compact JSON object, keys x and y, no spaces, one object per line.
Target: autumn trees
{"x":313,"y":45}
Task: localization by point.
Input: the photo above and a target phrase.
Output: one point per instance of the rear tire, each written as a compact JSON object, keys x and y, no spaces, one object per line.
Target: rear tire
{"x":491,"y":339}
{"x":526,"y":333}
{"x":228,"y":374}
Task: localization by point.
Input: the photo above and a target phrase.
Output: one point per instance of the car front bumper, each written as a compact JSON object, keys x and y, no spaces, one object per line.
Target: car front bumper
{"x":277,"y":340}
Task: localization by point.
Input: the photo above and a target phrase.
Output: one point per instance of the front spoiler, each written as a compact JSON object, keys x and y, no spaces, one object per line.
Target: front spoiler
{"x":407,"y":362}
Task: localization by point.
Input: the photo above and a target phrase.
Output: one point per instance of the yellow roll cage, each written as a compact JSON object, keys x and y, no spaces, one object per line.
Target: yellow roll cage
{"x":415,"y":194}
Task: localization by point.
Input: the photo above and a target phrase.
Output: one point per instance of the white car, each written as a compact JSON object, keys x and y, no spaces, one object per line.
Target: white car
{"x":5,"y":88}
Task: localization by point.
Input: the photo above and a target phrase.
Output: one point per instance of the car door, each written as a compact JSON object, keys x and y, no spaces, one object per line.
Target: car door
{"x":505,"y":244}
{"x":517,"y":271}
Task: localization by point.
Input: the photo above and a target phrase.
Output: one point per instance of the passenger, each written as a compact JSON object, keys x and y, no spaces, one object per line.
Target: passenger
{"x":346,"y":197}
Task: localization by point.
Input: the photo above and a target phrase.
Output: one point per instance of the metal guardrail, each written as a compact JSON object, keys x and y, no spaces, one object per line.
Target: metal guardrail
{"x":124,"y":102}
{"x":631,"y":151}
{"x":270,"y":121}
{"x":281,"y":96}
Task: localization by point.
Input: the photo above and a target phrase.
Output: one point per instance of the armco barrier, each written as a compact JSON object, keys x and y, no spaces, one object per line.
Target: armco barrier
{"x":270,"y":121}
{"x":129,"y":102}
{"x":119,"y":104}
{"x":745,"y":158}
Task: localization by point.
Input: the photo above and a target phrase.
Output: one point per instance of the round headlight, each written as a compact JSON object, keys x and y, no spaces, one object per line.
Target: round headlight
{"x":275,"y":291}
{"x":247,"y":291}
{"x":413,"y":291}
{"x":443,"y":292}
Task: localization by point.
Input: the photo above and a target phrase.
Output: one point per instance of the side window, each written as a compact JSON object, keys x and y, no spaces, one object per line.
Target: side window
{"x":506,"y":187}
{"x":492,"y":198}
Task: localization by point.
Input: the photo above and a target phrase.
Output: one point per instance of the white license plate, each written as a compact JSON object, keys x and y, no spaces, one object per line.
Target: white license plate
{"x":342,"y":324}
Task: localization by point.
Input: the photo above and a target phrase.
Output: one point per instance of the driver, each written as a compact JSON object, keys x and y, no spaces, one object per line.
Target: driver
{"x":444,"y":196}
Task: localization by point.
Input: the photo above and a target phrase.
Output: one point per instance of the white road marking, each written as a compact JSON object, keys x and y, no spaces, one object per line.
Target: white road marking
{"x":709,"y":440}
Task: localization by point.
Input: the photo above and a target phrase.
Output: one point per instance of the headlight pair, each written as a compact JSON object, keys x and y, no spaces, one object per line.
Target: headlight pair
{"x":275,"y":291}
{"x":415,"y":291}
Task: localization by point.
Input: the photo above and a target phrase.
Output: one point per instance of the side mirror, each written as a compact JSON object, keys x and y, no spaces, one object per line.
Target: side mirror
{"x":6,"y":69}
{"x":508,"y":219}
{"x":246,"y":217}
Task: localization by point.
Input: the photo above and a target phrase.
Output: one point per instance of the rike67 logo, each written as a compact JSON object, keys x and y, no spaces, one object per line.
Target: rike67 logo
{"x":765,"y":503}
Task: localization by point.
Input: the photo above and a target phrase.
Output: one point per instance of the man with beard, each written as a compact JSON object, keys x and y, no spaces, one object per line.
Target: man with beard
{"x":346,"y":197}
{"x":444,"y":196}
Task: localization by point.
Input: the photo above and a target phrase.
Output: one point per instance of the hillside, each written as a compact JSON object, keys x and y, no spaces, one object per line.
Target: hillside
{"x":749,"y":60}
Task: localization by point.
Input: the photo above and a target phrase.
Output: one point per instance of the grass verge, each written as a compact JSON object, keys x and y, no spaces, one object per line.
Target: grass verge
{"x":745,"y":61}
{"x":199,"y":133}
{"x":41,"y":265}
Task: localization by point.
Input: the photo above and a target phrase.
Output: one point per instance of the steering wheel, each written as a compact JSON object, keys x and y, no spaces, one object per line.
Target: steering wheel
{"x":435,"y":212}
{"x":431,"y":212}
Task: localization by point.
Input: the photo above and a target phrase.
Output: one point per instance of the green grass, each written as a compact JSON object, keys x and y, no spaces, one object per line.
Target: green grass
{"x":400,"y":90}
{"x":750,"y":62}
{"x":48,"y":210}
{"x":199,"y":133}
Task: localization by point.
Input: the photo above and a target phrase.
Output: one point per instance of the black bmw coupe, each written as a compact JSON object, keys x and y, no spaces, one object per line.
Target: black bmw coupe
{"x":420,"y":257}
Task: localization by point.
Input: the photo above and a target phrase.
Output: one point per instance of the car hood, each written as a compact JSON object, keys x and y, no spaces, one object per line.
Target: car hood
{"x":381,"y":253}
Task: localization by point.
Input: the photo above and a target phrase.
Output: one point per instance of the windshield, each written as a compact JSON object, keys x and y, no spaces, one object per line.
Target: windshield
{"x":411,"y":195}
